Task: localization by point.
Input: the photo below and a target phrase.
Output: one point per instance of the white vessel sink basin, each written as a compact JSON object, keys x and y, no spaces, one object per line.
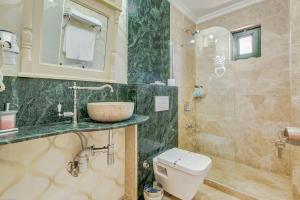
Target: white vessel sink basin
{"x":110,"y":111}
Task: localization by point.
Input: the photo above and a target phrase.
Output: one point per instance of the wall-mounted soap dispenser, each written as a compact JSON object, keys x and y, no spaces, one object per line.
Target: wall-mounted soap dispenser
{"x":199,"y":92}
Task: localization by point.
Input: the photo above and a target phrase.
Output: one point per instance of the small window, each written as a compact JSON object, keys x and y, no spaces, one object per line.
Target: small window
{"x":246,"y":43}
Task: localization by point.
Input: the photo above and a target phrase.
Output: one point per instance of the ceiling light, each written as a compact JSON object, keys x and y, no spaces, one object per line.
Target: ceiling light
{"x":192,"y":41}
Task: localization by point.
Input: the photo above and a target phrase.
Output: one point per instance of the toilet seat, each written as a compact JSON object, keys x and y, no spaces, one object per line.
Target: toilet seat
{"x":188,"y":162}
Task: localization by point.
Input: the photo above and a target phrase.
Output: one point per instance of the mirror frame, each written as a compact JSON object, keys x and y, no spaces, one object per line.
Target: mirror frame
{"x":31,"y":65}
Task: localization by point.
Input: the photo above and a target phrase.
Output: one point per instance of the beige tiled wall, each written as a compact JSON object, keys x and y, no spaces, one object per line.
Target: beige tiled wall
{"x":184,"y":73}
{"x":295,"y":89}
{"x":37,"y":169}
{"x":216,"y":112}
{"x":242,"y":120}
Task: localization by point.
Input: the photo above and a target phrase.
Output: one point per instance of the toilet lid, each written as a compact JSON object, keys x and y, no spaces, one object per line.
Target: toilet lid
{"x":186,"y":161}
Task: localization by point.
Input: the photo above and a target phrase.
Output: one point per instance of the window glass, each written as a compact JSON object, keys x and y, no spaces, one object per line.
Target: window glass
{"x":246,"y":45}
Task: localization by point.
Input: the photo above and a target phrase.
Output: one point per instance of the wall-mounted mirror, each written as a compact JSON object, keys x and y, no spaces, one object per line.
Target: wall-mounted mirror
{"x":69,"y":39}
{"x":73,"y":35}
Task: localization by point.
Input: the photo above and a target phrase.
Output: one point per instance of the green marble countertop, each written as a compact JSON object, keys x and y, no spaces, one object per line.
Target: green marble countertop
{"x":30,"y":133}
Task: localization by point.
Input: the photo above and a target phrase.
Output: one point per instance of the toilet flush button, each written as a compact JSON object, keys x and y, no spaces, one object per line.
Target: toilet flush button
{"x":175,"y":163}
{"x":161,"y":103}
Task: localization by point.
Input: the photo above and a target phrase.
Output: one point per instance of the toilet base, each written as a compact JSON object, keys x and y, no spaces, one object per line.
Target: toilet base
{"x":176,"y":183}
{"x":181,"y":172}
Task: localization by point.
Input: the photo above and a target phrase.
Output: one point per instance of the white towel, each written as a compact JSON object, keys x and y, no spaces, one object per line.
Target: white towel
{"x":79,"y":43}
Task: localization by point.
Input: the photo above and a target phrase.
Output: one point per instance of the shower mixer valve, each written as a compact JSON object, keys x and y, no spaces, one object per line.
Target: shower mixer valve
{"x":280,"y":145}
{"x":188,"y":126}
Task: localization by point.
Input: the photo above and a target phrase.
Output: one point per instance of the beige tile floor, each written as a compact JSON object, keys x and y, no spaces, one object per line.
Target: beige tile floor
{"x":258,"y":184}
{"x":207,"y":193}
{"x":235,"y":180}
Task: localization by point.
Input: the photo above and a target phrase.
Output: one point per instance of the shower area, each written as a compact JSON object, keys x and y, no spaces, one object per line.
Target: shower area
{"x":239,"y":118}
{"x":215,"y":112}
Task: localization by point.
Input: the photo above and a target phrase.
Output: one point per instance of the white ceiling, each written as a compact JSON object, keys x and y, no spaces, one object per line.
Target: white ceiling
{"x":203,"y":10}
{"x":204,"y":7}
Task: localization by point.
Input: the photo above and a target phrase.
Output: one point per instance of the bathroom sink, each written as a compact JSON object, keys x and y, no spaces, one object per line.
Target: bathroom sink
{"x":110,"y":111}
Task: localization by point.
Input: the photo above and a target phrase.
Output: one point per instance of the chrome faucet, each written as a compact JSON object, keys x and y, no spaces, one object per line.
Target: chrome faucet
{"x":75,"y":88}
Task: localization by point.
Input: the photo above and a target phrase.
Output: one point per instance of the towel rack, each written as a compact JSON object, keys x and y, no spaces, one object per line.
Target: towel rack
{"x":72,"y":13}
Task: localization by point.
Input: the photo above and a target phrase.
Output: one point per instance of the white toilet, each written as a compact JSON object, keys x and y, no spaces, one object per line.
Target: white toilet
{"x":181,"y":172}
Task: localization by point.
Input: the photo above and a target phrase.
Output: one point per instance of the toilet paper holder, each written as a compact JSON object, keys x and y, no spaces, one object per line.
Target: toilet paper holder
{"x":291,"y":135}
{"x":146,"y":164}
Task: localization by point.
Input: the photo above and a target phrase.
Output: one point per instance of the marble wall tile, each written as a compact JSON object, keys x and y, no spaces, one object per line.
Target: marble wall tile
{"x":184,"y":68}
{"x":295,"y":171}
{"x":295,"y":90}
{"x":215,"y":145}
{"x":161,"y":130}
{"x":36,"y":169}
{"x":36,"y":99}
{"x":258,"y":110}
{"x":148,"y":41}
{"x":216,"y":125}
{"x":246,"y":110}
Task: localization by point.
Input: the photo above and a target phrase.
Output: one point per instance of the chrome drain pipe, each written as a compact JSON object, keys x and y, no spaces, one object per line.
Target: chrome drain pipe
{"x":110,"y":149}
{"x":80,"y":163}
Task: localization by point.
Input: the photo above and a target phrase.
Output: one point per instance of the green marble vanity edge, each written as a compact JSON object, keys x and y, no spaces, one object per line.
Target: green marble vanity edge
{"x":36,"y":132}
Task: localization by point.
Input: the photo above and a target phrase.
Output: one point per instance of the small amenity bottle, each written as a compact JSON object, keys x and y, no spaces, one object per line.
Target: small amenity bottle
{"x":8,"y":119}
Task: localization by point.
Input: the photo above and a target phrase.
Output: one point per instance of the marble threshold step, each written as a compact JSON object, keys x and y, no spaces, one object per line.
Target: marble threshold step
{"x":228,"y":190}
{"x":206,"y":193}
{"x":248,"y":183}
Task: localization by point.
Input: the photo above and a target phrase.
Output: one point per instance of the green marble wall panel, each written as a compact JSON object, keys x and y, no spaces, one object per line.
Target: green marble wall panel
{"x":159,"y":133}
{"x":148,"y":41}
{"x":36,"y":99}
